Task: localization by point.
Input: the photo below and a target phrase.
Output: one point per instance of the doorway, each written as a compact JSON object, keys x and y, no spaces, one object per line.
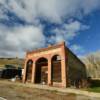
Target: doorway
{"x":41,"y":72}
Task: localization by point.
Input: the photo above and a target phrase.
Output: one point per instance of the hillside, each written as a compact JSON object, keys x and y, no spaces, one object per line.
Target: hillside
{"x":92,"y":62}
{"x":11,"y":61}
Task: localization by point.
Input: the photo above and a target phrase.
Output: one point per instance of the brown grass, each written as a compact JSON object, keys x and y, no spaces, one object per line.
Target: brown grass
{"x":15,"y":91}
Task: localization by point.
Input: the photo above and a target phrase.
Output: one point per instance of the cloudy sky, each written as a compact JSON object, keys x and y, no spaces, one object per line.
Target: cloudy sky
{"x":30,"y":24}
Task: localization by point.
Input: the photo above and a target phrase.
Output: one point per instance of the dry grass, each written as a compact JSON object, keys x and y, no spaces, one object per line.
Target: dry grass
{"x":15,"y":91}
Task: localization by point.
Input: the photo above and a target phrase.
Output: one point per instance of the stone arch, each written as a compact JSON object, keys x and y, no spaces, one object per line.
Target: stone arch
{"x":29,"y":65}
{"x":41,"y":71}
{"x":56,"y":68}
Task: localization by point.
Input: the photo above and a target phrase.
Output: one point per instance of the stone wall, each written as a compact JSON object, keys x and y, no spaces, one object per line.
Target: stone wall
{"x":76,"y":68}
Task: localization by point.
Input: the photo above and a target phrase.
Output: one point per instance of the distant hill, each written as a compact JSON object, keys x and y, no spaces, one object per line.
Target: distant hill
{"x":92,"y":62}
{"x":11,"y":61}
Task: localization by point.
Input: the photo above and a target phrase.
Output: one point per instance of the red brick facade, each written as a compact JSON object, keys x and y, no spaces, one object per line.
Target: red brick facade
{"x":47,"y":66}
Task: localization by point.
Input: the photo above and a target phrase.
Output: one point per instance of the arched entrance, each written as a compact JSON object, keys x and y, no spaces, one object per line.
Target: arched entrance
{"x":56,"y":68}
{"x":29,"y":70}
{"x":41,"y":72}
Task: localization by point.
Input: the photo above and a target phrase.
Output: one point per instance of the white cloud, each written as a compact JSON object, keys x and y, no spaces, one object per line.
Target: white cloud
{"x":53,"y":10}
{"x":68,"y":31}
{"x":20,"y":39}
{"x":90,"y":5}
{"x":76,"y":26}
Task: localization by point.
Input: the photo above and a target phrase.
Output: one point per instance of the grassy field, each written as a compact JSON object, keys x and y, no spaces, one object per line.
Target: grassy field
{"x":14,"y":91}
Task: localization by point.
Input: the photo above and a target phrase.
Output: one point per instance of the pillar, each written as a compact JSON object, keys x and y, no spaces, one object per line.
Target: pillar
{"x":49,"y":71}
{"x":63,"y":67}
{"x":24,"y":74}
{"x":33,"y":72}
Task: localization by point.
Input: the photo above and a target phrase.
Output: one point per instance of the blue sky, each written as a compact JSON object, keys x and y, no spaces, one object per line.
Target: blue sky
{"x":28,"y":25}
{"x":90,"y":39}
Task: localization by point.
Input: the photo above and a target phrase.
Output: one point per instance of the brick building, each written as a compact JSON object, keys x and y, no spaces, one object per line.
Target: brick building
{"x":55,"y":66}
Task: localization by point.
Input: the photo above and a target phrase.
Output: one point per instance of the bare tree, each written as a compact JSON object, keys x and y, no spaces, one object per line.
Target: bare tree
{"x":92,"y":62}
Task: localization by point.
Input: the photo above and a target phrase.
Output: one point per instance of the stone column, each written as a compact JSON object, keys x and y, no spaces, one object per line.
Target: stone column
{"x":63,"y":67}
{"x":24,"y":74}
{"x":49,"y":71}
{"x":33,"y":72}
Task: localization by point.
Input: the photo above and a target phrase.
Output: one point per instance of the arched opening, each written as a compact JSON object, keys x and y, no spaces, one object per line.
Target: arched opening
{"x":41,"y":72}
{"x":56,"y":69}
{"x":29,"y":70}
